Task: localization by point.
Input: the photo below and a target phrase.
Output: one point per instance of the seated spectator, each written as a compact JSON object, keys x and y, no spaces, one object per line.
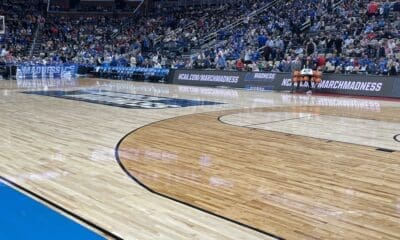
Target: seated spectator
{"x":239,"y":65}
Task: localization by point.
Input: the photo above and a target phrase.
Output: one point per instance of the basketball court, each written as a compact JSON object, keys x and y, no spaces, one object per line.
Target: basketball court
{"x":134,"y":160}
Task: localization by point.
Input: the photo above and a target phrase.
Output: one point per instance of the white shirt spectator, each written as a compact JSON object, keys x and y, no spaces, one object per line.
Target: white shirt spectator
{"x":133,"y":61}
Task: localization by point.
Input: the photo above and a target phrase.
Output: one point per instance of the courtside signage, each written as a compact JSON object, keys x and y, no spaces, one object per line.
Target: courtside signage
{"x":65,"y":71}
{"x":341,"y":85}
{"x":352,"y":84}
{"x":206,"y":78}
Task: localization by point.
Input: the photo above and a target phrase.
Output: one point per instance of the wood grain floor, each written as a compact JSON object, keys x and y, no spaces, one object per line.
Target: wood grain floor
{"x":292,"y":186}
{"x":303,"y":188}
{"x":367,"y":132}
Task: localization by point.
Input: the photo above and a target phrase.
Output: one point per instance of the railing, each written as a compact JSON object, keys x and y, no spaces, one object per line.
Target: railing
{"x":214,"y":35}
{"x":121,"y":29}
{"x":126,"y":25}
{"x":138,"y":7}
{"x":187,"y":26}
{"x":307,"y":24}
{"x":37,"y":30}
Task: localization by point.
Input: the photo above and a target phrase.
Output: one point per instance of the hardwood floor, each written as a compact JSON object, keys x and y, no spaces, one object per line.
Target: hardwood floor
{"x":290,"y":186}
{"x":368,"y":132}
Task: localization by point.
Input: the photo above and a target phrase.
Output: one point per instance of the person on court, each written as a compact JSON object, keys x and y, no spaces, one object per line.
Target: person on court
{"x":308,"y":73}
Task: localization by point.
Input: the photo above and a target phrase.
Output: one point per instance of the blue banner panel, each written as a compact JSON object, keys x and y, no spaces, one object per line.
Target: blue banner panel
{"x":37,"y":71}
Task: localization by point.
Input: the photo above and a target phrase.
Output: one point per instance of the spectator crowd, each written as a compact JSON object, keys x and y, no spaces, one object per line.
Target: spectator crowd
{"x":354,"y":36}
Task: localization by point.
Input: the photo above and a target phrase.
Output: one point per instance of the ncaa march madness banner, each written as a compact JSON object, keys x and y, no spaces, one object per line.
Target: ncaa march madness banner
{"x":37,"y":71}
{"x":362,"y":85}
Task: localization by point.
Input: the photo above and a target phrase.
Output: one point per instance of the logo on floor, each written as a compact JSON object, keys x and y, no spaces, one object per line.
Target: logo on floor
{"x":123,"y":100}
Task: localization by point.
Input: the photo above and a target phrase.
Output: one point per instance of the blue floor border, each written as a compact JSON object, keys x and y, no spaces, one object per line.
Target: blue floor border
{"x":22,"y":195}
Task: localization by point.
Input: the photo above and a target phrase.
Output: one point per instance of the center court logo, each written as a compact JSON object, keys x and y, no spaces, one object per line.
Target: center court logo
{"x":123,"y":100}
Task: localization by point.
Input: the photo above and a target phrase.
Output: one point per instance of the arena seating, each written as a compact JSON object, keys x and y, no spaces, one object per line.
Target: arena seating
{"x":356,"y":36}
{"x":21,"y":23}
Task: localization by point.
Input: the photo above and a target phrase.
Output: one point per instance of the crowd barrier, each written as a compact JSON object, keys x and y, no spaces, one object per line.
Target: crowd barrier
{"x":361,"y":85}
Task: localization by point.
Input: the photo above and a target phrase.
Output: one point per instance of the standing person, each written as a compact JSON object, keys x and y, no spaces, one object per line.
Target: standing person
{"x":372,"y":9}
{"x":247,"y":57}
{"x":309,"y":65}
{"x":311,"y":47}
{"x":295,"y":68}
{"x":321,"y":61}
{"x":329,"y":44}
{"x":392,"y":68}
{"x":338,"y":45}
{"x":220,"y":62}
{"x":133,"y":61}
{"x":386,"y":9}
{"x":286,"y":65}
{"x":139,"y":59}
{"x":239,"y":65}
{"x":267,"y":53}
